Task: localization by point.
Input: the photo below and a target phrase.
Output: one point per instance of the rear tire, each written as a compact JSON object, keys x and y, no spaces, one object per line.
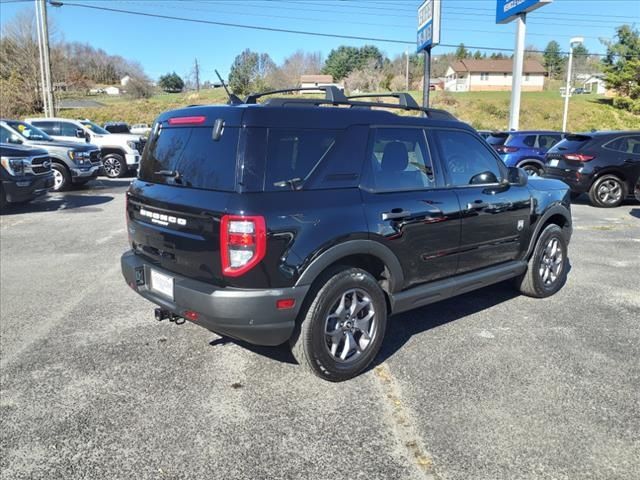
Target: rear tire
{"x":61,"y":177}
{"x":532,"y":169}
{"x":547,"y":268}
{"x":114,"y":166}
{"x":607,"y":191}
{"x":575,"y":195}
{"x":342,"y":327}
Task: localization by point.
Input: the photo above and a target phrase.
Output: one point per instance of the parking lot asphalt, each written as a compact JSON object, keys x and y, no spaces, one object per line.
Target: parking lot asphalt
{"x":490,"y":385}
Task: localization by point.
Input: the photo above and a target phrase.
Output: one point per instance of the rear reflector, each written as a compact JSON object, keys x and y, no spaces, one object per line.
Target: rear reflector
{"x":503,"y":149}
{"x":285,"y":303}
{"x":191,"y":315}
{"x":194,"y":120}
{"x":243,"y":243}
{"x":579,"y":157}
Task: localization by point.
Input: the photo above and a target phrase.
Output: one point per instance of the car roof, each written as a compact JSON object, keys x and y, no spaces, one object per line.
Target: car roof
{"x":601,"y":133}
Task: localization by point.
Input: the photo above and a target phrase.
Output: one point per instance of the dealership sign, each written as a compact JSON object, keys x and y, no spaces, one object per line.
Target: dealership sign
{"x":507,"y":10}
{"x":428,"y":25}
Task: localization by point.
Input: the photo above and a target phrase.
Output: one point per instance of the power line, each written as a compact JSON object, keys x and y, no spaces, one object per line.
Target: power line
{"x":284,"y":30}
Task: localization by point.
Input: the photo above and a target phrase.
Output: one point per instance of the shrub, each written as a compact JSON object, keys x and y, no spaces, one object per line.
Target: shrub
{"x":622,"y":103}
{"x":635,"y":108}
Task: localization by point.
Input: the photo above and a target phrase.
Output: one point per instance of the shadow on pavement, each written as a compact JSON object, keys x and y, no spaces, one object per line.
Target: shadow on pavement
{"x":52,"y":203}
{"x":635,"y":212}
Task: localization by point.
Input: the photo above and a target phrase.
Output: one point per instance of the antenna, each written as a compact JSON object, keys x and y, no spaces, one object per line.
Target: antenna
{"x":233,"y":99}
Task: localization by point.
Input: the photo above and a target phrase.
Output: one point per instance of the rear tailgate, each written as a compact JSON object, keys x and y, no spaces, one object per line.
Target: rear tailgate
{"x":186,"y":178}
{"x":556,"y":163}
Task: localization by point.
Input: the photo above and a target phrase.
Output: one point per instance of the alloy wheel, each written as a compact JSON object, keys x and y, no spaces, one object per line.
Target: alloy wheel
{"x":111,"y":167}
{"x":351,"y":326}
{"x":531,"y":171}
{"x":551,"y":262}
{"x":58,"y":179}
{"x":609,"y":192}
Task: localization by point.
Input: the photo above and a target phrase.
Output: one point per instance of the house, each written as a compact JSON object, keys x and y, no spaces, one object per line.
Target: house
{"x":112,"y":91}
{"x":124,"y":81}
{"x":596,"y":84}
{"x":311,"y":81}
{"x":471,"y":75}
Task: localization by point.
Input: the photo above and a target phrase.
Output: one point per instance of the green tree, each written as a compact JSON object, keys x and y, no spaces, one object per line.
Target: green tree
{"x":553,"y":60}
{"x":477,"y":55}
{"x":462,"y":52}
{"x":171,"y":82}
{"x":622,"y":63}
{"x":249,"y":72}
{"x":344,"y":60}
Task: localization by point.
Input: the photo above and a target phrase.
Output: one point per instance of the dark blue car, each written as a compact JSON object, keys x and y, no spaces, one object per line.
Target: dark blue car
{"x":525,"y":149}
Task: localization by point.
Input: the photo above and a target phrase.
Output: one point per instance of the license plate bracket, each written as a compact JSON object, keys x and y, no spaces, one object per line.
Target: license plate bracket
{"x":554,"y":162}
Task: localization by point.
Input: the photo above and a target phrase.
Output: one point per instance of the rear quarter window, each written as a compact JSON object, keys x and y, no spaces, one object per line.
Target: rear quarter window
{"x":190,"y":157}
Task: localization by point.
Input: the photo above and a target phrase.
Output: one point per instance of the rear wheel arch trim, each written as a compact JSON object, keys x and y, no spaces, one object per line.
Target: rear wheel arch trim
{"x":355,"y":247}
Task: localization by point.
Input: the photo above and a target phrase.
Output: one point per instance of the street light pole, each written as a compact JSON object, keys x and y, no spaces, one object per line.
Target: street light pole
{"x":45,"y":64}
{"x":43,"y":83}
{"x":567,"y":91}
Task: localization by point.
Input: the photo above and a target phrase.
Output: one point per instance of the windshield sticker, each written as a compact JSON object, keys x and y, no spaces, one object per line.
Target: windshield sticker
{"x":21,"y":128}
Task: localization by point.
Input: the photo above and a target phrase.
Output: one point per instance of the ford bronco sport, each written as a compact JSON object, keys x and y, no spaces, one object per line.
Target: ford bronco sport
{"x":311,"y":221}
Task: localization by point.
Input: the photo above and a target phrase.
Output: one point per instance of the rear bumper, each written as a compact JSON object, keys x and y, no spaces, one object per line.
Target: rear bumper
{"x":23,"y":189}
{"x":248,"y":315}
{"x":577,"y":181}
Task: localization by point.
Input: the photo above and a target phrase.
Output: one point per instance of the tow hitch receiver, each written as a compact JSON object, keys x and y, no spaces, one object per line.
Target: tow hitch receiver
{"x":162,"y":314}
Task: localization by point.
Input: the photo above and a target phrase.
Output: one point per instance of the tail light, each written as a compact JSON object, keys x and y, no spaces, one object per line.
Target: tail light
{"x":579,"y":157}
{"x":243,"y":243}
{"x":504,"y":149}
{"x":192,"y":120}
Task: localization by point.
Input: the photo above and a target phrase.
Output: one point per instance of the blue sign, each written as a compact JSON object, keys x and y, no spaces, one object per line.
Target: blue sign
{"x":507,"y":10}
{"x":428,"y":24}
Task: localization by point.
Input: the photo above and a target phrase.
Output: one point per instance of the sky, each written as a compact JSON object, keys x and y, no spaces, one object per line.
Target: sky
{"x":163,"y":45}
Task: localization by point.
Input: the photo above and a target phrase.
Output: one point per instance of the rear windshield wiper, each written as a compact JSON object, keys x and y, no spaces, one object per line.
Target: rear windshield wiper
{"x":168,"y":173}
{"x":294,"y":183}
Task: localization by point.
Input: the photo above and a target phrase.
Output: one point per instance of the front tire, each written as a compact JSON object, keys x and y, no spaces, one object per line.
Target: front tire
{"x":607,"y":192}
{"x":547,"y":268}
{"x":114,"y":166}
{"x":61,"y":177}
{"x":342,"y":328}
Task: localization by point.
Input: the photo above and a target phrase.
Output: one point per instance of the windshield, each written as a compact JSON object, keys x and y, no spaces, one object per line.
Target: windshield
{"x":95,"y":128}
{"x":29,"y":131}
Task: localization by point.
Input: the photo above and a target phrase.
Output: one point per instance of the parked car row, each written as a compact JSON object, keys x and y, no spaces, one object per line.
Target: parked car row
{"x":76,"y":152}
{"x":603,"y":164}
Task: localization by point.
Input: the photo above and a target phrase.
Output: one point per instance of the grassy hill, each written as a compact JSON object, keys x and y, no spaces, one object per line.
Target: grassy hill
{"x":483,"y":110}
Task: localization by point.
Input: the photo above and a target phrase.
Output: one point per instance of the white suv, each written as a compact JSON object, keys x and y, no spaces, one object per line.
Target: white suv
{"x":120,"y":152}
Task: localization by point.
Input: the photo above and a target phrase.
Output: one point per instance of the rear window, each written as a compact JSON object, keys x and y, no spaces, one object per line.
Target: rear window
{"x":497,"y":138}
{"x":294,"y":154}
{"x":190,"y":157}
{"x":571,"y":143}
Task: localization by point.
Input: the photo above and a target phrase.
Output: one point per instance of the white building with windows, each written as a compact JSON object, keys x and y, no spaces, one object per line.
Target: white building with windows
{"x":471,"y":75}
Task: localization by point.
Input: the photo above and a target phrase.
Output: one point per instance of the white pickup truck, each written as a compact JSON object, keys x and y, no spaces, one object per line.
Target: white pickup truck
{"x":120,"y":152}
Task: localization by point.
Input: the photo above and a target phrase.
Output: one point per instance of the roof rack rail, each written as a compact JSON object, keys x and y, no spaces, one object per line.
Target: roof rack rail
{"x":404,"y":99}
{"x":331,"y":93}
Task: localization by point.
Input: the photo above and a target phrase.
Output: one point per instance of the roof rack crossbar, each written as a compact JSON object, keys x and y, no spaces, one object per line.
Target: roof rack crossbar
{"x":331,"y":93}
{"x":404,"y":99}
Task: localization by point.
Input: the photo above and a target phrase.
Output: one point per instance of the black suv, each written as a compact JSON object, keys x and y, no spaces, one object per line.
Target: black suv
{"x":24,"y":175}
{"x":310,"y":221}
{"x":604,"y":164}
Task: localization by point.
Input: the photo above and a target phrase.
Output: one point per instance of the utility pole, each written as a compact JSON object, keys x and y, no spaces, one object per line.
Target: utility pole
{"x":567,"y":91}
{"x":426,"y":84}
{"x":518,"y":61}
{"x":43,"y":41}
{"x":43,"y":84}
{"x":407,"y":70}
{"x":196,"y":70}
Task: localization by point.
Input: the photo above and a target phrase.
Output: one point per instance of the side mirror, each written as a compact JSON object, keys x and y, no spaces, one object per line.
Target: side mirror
{"x":15,"y":139}
{"x":484,"y":178}
{"x":517,"y":176}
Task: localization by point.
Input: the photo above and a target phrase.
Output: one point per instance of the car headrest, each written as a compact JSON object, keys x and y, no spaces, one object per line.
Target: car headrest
{"x":395,"y":157}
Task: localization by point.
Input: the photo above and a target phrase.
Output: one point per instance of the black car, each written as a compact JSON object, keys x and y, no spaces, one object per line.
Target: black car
{"x":310,"y":221}
{"x":25,"y":174}
{"x":606,"y":165}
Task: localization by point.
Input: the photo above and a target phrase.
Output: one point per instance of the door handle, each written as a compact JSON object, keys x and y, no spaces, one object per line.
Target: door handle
{"x":395,"y":214}
{"x":477,"y":205}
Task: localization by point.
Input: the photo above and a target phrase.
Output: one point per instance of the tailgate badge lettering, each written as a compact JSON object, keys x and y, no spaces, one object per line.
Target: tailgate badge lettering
{"x":162,"y":219}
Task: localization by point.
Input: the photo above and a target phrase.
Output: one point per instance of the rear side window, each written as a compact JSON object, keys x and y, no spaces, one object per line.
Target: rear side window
{"x":400,"y":160}
{"x":68,"y":129}
{"x":529,"y":140}
{"x":294,"y":154}
{"x":548,"y":141}
{"x":48,"y":127}
{"x":625,"y":144}
{"x":190,"y":157}
{"x":571,"y":143}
